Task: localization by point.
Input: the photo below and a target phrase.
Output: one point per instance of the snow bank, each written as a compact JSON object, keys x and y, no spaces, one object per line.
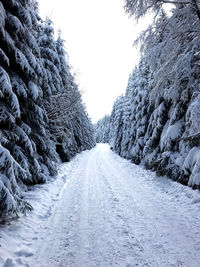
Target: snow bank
{"x":191,"y":166}
{"x":17,"y":236}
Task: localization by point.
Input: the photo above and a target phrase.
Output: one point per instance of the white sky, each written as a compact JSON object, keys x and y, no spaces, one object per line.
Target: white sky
{"x":99,"y":38}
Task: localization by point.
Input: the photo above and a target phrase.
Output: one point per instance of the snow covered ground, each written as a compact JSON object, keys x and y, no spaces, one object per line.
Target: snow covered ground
{"x":105,"y":211}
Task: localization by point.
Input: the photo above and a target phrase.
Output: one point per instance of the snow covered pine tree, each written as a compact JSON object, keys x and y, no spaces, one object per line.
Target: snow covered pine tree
{"x":157,"y":121}
{"x":30,"y":73}
{"x":102,"y":130}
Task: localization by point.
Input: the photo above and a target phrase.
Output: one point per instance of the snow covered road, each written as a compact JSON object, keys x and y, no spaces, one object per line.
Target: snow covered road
{"x":111,"y":212}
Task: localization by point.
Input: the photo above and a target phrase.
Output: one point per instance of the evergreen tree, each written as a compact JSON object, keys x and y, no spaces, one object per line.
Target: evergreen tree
{"x":160,"y":125}
{"x":32,"y":73}
{"x":69,"y":124}
{"x":139,"y":8}
{"x":116,"y":125}
{"x":21,"y":93}
{"x":102,"y":130}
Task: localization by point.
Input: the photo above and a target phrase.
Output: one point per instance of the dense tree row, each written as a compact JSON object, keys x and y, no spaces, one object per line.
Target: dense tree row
{"x":102,"y":130}
{"x":156,"y":122}
{"x":42,"y":117}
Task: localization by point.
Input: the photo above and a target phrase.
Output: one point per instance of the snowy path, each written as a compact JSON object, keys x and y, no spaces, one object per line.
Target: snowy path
{"x":113,"y":213}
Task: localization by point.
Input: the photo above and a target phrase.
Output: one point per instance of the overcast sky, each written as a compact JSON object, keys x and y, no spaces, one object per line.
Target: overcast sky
{"x":99,"y":38}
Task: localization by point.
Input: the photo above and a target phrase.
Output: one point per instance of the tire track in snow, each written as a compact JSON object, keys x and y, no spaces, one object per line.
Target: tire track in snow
{"x":112,"y":213}
{"x":166,"y":228}
{"x":84,"y":246}
{"x":125,"y":207}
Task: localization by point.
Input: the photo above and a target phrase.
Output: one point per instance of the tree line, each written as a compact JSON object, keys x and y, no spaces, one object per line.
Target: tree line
{"x":157,"y":121}
{"x":42,"y":117}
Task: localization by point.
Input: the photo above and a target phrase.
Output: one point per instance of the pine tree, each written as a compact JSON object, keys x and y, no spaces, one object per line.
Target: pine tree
{"x":33,"y":76}
{"x":116,"y":125}
{"x":160,"y":125}
{"x":69,"y":124}
{"x":16,"y":75}
{"x":102,"y":130}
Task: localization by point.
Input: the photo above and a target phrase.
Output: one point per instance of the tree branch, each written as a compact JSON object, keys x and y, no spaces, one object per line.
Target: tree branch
{"x":195,"y":7}
{"x":176,"y":2}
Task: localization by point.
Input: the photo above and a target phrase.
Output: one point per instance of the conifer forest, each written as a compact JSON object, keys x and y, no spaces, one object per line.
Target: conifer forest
{"x":156,"y":122}
{"x":123,"y":190}
{"x":42,"y":118}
